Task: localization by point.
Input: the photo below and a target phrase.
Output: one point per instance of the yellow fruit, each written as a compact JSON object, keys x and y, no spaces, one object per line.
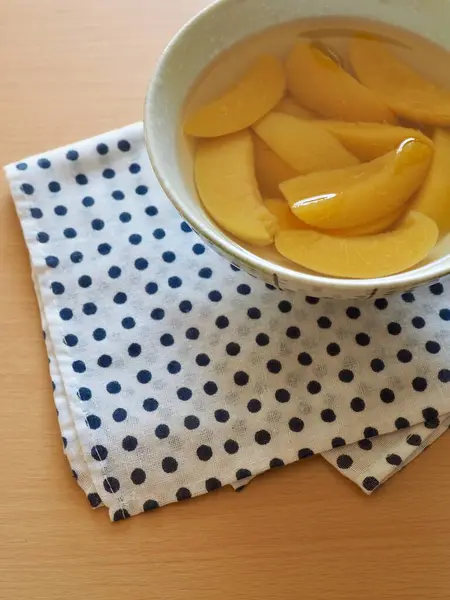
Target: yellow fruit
{"x":285,"y":217}
{"x":433,"y":198}
{"x":319,"y":83}
{"x":259,"y":90}
{"x":226,"y":183}
{"x":377,"y":226}
{"x":361,"y":257}
{"x":359,"y":195}
{"x":289,"y":107}
{"x":270,"y":169}
{"x":304,"y":145}
{"x":407,"y":93}
{"x":370,"y":140}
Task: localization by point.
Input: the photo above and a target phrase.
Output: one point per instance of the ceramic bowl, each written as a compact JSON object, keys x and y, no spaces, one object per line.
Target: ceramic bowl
{"x":186,"y":58}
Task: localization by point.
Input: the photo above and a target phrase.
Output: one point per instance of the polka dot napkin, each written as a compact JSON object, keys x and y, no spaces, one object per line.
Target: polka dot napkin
{"x":174,"y":373}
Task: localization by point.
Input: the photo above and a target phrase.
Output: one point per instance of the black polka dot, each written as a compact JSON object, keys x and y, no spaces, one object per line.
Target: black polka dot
{"x":362,"y":339}
{"x":273,"y":366}
{"x":104,"y":361}
{"x":444,"y":313}
{"x":408,"y":297}
{"x":418,"y":322}
{"x":262,"y":437}
{"x":344,"y":461}
{"x":293,"y":333}
{"x":381,"y":303}
{"x":444,"y":375}
{"x":215,"y":296}
{"x":205,"y":273}
{"x":387,"y":395}
{"x":419,"y":384}
{"x":365,"y":444}
{"x":284,"y":306}
{"x":222,"y":322}
{"x":204,"y":452}
{"x":304,"y":359}
{"x":276,"y":463}
{"x":129,"y":443}
{"x":328,"y":415}
{"x":144,"y":376}
{"x":169,"y":464}
{"x":221,"y":415}
{"x":401,"y":423}
{"x":174,"y":367}
{"x":192,"y":333}
{"x":210,"y":388}
{"x":119,"y":415}
{"x":231,"y":447}
{"x":437,"y":289}
{"x":394,"y":328}
{"x":183,"y":494}
{"x":99,"y":452}
{"x":191,"y":422}
{"x":262,"y":339}
{"x":346,"y":376}
{"x":123,"y":145}
{"x":212,"y":484}
{"x":94,"y":500}
{"x":243,"y":289}
{"x":394,"y":459}
{"x":150,"y":505}
{"x":324,"y":322}
{"x":150,"y":404}
{"x":337,"y":442}
{"x":357,"y":404}
{"x":431,"y":417}
{"x":233,"y":349}
{"x":333,"y":349}
{"x":282,"y":395}
{"x":254,"y":313}
{"x":254,"y":405}
{"x":138,"y":476}
{"x":353,"y":312}
{"x":162,"y":431}
{"x":432,"y":347}
{"x":243,"y":474}
{"x":377,"y":365}
{"x":296,"y":424}
{"x":370,"y":432}
{"x":305,"y":453}
{"x":404,"y":356}
{"x":167,"y":339}
{"x":241,"y":378}
{"x":312,"y":300}
{"x":202,"y":360}
{"x":314,"y":387}
{"x":185,"y":393}
{"x":111,"y":485}
{"x":414,"y":440}
{"x":370,"y":483}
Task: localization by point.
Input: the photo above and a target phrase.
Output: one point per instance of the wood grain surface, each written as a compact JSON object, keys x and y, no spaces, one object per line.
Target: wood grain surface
{"x":71,"y":70}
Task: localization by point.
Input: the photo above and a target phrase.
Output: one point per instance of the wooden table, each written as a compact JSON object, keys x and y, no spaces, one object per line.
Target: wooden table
{"x":71,"y":70}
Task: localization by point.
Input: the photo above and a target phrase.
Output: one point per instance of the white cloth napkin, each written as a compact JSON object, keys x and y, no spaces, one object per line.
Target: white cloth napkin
{"x":175,"y":373}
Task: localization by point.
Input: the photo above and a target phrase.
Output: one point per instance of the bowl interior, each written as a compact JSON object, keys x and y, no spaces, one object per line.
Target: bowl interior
{"x":190,"y":75}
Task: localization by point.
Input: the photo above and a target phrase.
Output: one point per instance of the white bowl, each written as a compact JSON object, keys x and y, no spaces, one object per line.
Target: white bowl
{"x":193,"y":49}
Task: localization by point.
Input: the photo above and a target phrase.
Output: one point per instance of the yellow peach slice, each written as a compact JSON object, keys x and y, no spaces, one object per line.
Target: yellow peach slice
{"x":370,"y":140}
{"x":359,"y":195}
{"x":406,"y":92}
{"x":361,"y":257}
{"x":377,"y":226}
{"x":433,"y":198}
{"x":270,"y":169}
{"x":320,"y":84}
{"x":285,"y":217}
{"x":304,"y":145}
{"x":289,"y":107}
{"x":259,"y":90}
{"x":226,"y":183}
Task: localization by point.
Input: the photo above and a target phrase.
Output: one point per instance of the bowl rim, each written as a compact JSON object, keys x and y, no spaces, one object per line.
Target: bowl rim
{"x":404,"y":280}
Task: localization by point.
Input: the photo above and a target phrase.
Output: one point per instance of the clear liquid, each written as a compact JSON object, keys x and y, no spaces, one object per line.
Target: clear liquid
{"x":334,"y":33}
